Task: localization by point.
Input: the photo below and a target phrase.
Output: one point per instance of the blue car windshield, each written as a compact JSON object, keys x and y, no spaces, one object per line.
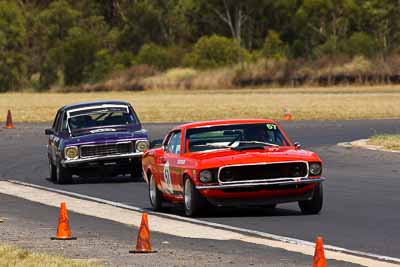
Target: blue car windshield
{"x":100,"y":118}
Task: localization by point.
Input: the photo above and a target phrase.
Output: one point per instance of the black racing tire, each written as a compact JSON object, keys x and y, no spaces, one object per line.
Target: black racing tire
{"x":63,"y":175}
{"x":155,"y":195}
{"x":52,"y":171}
{"x":136,"y":171}
{"x":314,"y":205}
{"x":194,"y":203}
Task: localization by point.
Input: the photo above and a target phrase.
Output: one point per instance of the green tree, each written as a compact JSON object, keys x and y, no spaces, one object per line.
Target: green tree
{"x":326,"y":21}
{"x":58,"y":19}
{"x":274,"y":47}
{"x":50,"y":29}
{"x":361,"y":43}
{"x":12,"y":38}
{"x":215,"y":51}
{"x":142,"y":26}
{"x":382,"y":18}
{"x":153,"y":55}
{"x":101,"y":66}
{"x":79,"y":53}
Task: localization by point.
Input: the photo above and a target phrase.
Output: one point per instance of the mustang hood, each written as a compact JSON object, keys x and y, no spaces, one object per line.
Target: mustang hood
{"x":103,"y":135}
{"x":270,"y":154}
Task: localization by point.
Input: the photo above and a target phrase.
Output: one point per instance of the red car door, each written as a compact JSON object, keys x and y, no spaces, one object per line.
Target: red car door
{"x":171,"y":170}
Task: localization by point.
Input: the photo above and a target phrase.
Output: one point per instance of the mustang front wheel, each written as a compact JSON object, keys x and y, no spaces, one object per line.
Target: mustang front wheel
{"x":155,"y":194}
{"x":194,"y":202}
{"x":314,"y":205}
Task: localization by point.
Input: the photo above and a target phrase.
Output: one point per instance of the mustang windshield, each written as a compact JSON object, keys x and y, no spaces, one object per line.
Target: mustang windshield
{"x":235,"y":136}
{"x":100,"y":117}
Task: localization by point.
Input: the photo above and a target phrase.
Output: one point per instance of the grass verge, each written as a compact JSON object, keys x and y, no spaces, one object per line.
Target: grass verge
{"x":307,"y":103}
{"x":11,"y":256}
{"x":388,"y":141}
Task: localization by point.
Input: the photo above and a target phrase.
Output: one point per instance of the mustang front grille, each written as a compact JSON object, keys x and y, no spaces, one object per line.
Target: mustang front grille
{"x":89,"y":151}
{"x":258,"y":172}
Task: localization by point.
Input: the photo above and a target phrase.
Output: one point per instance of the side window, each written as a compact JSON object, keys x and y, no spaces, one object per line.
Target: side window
{"x":59,"y":122}
{"x":56,"y":120}
{"x":174,"y":143}
{"x":64,"y":127}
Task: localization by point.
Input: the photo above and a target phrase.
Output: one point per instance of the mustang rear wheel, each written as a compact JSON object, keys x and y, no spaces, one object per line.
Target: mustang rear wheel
{"x":63,"y":175}
{"x":155,"y":194}
{"x":194,"y":202}
{"x":52,"y":171}
{"x":314,"y":205}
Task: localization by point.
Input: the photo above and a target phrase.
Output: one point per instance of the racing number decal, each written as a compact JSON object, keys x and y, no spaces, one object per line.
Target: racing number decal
{"x":271,"y":126}
{"x":167,"y":178}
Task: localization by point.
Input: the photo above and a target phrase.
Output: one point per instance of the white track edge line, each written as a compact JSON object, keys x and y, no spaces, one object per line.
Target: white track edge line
{"x":217,"y":225}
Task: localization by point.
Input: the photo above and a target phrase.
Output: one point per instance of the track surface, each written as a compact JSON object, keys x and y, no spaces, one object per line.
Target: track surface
{"x":362,"y":191}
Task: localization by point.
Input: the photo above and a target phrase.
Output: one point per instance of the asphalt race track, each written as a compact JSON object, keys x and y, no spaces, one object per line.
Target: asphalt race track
{"x":362,"y":198}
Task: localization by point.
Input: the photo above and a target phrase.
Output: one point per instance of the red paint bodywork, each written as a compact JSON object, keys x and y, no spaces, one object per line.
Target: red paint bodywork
{"x":190,"y":164}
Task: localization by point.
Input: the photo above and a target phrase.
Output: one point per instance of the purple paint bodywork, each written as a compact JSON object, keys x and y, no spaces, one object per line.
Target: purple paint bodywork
{"x":130,"y":133}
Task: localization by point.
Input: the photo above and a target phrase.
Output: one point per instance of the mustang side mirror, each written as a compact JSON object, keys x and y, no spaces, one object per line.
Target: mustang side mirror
{"x":48,"y":131}
{"x":297,"y":145}
{"x":156,"y":143}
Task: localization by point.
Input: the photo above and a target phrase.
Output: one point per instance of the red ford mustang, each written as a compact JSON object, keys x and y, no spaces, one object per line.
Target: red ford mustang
{"x":232,"y":163}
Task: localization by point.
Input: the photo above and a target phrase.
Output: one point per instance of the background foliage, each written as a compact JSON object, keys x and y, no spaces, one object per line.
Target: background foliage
{"x":46,"y":43}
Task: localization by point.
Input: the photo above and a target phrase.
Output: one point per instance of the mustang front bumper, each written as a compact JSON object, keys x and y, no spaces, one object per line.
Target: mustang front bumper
{"x":260,"y":193}
{"x":288,"y":181}
{"x":102,"y":158}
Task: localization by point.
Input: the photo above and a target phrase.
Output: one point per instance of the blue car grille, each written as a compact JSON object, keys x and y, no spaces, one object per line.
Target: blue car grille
{"x":89,"y":151}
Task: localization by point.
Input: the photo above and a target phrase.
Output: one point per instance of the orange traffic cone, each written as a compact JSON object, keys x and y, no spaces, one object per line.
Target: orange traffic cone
{"x":287,"y":115}
{"x":63,"y":231}
{"x":143,"y":240}
{"x":9,"y":123}
{"x":319,"y":255}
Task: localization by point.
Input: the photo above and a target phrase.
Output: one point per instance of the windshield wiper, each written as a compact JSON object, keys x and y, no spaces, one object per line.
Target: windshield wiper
{"x":213,"y":145}
{"x":257,"y":143}
{"x":237,"y":138}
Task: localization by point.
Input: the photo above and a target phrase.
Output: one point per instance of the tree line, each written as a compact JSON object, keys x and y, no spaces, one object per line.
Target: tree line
{"x":44,"y":43}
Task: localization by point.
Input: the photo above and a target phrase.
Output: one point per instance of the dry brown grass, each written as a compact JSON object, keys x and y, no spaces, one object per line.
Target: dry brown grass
{"x":388,"y":141}
{"x":11,"y":256}
{"x":183,"y":105}
{"x":187,"y":78}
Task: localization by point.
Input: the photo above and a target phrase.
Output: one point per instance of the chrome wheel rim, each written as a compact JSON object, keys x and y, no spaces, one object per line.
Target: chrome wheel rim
{"x":188,"y":194}
{"x":152,"y":187}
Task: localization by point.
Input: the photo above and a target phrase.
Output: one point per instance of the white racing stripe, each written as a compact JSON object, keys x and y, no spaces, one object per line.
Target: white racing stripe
{"x":182,"y":226}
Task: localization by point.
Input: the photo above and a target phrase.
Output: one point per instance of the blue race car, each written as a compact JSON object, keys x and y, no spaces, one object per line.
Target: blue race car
{"x":96,"y":139}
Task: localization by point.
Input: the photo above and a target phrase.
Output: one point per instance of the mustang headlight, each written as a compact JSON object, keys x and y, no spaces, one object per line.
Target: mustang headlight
{"x":206,"y":176}
{"x":142,"y":145}
{"x":315,"y":168}
{"x":71,"y":152}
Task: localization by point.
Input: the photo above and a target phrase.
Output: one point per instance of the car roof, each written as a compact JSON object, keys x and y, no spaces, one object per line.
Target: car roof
{"x":221,"y":122}
{"x":93,"y":103}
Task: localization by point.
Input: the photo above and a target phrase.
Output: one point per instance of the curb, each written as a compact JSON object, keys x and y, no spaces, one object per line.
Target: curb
{"x":363,"y":144}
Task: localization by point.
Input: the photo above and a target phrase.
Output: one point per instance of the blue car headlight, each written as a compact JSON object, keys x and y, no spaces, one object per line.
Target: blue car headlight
{"x":71,"y":152}
{"x":142,"y":145}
